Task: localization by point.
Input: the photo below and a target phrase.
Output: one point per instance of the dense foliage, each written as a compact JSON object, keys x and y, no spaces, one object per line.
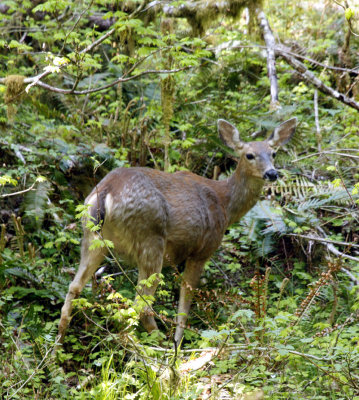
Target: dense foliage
{"x":276,"y":315}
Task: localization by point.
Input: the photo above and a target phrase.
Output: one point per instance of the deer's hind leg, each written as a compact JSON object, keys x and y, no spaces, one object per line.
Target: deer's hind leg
{"x":90,"y":261}
{"x":190,"y":281}
{"x":150,"y":259}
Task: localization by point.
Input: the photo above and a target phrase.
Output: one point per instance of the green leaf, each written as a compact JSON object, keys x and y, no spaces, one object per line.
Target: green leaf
{"x":210,"y":334}
{"x":349,"y":14}
{"x":243,"y":314}
{"x":145,"y":51}
{"x":6,"y":179}
{"x":109,"y":244}
{"x":82,"y":210}
{"x":119,"y":58}
{"x":96,"y":243}
{"x":14,"y":44}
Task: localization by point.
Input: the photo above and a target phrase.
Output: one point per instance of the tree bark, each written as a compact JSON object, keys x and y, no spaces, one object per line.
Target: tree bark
{"x":270,"y":44}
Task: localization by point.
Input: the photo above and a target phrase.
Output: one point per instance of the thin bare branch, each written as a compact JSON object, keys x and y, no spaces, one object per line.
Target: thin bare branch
{"x":237,"y":45}
{"x":330,"y":247}
{"x":20,"y":192}
{"x":74,"y":25}
{"x":113,"y":83}
{"x":310,"y":78}
{"x":332,"y":152}
{"x":98,"y":41}
{"x":315,"y":62}
{"x":351,"y":276}
{"x":324,"y":240}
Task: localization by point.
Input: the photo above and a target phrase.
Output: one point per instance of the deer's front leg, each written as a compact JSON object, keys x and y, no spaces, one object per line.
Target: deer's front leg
{"x":190,"y":281}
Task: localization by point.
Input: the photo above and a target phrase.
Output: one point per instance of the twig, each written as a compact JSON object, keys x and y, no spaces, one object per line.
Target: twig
{"x":74,"y":26}
{"x":39,"y":366}
{"x":97,"y":42}
{"x":238,"y":347}
{"x":331,"y":374}
{"x":349,"y":22}
{"x":237,"y":45}
{"x":19,"y":146}
{"x":324,"y":240}
{"x":325,"y":66}
{"x":338,"y":253}
{"x":16,"y":193}
{"x":335,"y":251}
{"x":345,"y":186}
{"x":328,"y":152}
{"x":351,"y":276}
{"x":36,"y":80}
{"x":297,"y":353}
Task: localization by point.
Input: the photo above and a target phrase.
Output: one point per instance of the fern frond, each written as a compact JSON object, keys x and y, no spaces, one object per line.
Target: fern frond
{"x":21,"y":273}
{"x":265,"y":246}
{"x":296,"y":186}
{"x":299,"y":188}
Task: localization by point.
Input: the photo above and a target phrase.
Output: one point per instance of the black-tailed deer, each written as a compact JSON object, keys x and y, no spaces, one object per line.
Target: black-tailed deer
{"x":155,"y":218}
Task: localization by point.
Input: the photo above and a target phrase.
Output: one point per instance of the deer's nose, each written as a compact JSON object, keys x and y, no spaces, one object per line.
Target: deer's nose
{"x":271,"y":175}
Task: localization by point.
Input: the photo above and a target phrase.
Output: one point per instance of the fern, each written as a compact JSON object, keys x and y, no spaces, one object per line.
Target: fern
{"x":310,"y":204}
{"x":339,"y":197}
{"x":297,"y":186}
{"x":21,"y":292}
{"x":20,"y":273}
{"x":266,"y":246}
{"x":260,"y":225}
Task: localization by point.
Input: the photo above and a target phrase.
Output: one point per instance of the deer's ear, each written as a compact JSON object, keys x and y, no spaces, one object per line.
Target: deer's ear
{"x":282,"y":133}
{"x":229,"y":134}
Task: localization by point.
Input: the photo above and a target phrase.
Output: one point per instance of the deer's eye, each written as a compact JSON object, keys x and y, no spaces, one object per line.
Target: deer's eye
{"x":274,"y":154}
{"x":250,"y":156}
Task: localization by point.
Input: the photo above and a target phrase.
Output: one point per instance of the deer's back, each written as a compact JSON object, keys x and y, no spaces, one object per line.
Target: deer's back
{"x":137,"y":204}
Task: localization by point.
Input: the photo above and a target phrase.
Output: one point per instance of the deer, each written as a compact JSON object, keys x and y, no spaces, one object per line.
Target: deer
{"x":156,"y":219}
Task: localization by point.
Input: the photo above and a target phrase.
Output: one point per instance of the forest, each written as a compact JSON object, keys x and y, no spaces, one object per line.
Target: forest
{"x":92,"y":85}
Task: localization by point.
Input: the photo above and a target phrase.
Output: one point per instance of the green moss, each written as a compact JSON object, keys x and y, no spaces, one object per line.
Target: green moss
{"x":13,"y":94}
{"x":203,"y":17}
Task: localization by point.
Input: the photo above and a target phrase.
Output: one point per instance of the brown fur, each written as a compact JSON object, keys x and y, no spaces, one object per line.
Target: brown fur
{"x":155,"y":218}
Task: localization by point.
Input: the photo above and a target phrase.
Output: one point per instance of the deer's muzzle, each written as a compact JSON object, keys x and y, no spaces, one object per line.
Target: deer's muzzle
{"x":271,"y":175}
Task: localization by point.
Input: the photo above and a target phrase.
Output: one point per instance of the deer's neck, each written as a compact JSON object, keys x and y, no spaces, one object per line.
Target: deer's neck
{"x":243,"y":192}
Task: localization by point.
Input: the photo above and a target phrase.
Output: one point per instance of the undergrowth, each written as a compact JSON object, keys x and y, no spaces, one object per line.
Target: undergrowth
{"x":276,"y":314}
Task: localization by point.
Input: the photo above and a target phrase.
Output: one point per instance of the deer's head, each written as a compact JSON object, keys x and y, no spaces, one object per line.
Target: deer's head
{"x":257,"y":158}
